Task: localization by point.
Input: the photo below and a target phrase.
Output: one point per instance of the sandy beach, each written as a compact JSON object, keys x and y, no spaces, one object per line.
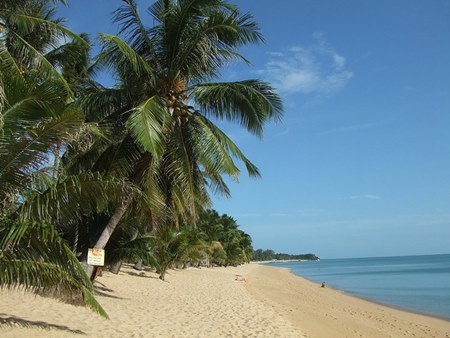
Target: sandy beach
{"x":247,"y":301}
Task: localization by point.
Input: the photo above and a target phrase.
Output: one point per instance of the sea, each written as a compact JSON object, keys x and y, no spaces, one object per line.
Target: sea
{"x":415,"y":283}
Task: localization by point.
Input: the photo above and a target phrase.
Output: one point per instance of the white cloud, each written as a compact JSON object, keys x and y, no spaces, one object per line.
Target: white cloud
{"x":314,"y":69}
{"x":249,"y":215}
{"x":424,"y":221}
{"x":282,"y":133}
{"x":310,"y":212}
{"x":366,"y":196}
{"x":349,"y":128}
{"x":279,"y":214}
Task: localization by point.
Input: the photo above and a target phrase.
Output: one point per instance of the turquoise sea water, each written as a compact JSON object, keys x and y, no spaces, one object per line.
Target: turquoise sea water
{"x":415,"y":283}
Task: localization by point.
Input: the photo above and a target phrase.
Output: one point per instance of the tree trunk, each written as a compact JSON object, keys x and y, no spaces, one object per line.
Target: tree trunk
{"x":56,"y":153}
{"x":107,"y":232}
{"x":115,"y":268}
{"x":162,"y":275}
{"x":138,"y":265}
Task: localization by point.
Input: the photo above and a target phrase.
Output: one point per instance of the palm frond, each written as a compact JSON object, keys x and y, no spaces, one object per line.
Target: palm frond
{"x":13,"y":81}
{"x":45,"y":66}
{"x":26,"y":23}
{"x":33,"y":256}
{"x":74,"y":197}
{"x":118,"y":53}
{"x":136,"y":33}
{"x":102,"y":103}
{"x":201,"y":36}
{"x":146,"y":124}
{"x":250,"y":102}
{"x":25,"y":153}
{"x":220,"y":141}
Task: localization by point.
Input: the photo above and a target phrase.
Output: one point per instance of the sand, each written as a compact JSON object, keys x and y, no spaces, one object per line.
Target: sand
{"x":191,"y":303}
{"x":247,"y":301}
{"x":324,"y":312}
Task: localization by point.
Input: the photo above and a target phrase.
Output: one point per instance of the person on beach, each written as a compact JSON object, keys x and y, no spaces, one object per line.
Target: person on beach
{"x":323,"y":284}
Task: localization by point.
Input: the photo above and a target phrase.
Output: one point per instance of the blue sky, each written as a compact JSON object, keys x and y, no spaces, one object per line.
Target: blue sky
{"x":360,"y":164}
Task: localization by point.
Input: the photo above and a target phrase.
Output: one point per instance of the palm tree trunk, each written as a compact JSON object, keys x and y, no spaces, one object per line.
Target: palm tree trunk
{"x":138,"y":265}
{"x":56,"y":153}
{"x":107,"y":232}
{"x":115,"y":268}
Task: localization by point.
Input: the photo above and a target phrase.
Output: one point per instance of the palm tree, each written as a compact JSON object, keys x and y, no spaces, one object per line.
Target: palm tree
{"x":172,"y":247}
{"x":235,"y":245}
{"x":37,"y":115}
{"x":32,"y":253}
{"x":164,"y":102}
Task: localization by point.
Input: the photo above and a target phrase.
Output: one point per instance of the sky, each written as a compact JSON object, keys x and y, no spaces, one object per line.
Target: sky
{"x":359,"y":166}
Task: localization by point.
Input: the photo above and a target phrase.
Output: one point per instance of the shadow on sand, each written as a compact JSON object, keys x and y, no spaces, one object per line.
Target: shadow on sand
{"x":105,"y":294}
{"x":140,"y":274}
{"x":17,"y":321}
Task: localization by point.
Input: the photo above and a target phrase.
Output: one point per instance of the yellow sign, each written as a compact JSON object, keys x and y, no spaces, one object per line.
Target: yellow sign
{"x":96,"y":257}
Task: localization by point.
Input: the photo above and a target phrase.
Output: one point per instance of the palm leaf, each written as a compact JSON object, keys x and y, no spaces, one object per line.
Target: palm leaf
{"x":21,"y":155}
{"x":27,"y":23}
{"x":146,"y":124}
{"x":251,"y":102}
{"x":44,"y":262}
{"x":117,"y":52}
{"x":224,"y":143}
{"x":74,"y":197}
{"x":45,"y":66}
{"x":134,"y":30}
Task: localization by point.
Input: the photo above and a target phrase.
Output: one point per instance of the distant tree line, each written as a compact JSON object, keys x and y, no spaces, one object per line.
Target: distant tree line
{"x":214,"y":241}
{"x":268,"y":255}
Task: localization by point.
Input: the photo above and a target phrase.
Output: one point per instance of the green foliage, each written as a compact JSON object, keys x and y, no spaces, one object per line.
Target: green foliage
{"x":269,"y":255}
{"x":171,"y":246}
{"x":34,"y":256}
{"x":37,"y":119}
{"x":164,"y":102}
{"x":72,"y":151}
{"x":228,"y":244}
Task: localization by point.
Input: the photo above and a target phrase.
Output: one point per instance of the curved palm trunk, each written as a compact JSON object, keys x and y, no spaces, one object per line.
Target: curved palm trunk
{"x":107,"y":232}
{"x":115,"y":268}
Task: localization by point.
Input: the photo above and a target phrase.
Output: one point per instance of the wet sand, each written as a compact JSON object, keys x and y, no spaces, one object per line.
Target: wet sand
{"x":324,"y":312}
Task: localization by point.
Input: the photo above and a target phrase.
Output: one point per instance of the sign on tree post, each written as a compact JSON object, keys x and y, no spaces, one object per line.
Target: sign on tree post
{"x":96,"y":257}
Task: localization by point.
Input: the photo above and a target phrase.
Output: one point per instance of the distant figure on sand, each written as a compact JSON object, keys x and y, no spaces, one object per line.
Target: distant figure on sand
{"x":240,"y":278}
{"x":323,"y":284}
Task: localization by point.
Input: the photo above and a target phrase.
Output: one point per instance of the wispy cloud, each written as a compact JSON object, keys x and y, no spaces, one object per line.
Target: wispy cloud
{"x":282,"y":133}
{"x":366,"y":196}
{"x":347,"y":129}
{"x":314,"y":69}
{"x":279,"y":214}
{"x":309,"y":212}
{"x":248,"y":215}
{"x":399,"y":221}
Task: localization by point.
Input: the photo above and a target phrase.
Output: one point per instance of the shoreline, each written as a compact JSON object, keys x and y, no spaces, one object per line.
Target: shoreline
{"x":329,"y":312}
{"x":252,"y":300}
{"x":374,"y":301}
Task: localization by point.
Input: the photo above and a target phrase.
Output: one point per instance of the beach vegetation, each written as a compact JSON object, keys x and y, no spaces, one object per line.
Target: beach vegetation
{"x":129,"y":167}
{"x":163,"y":106}
{"x":270,"y":255}
{"x":38,"y":120}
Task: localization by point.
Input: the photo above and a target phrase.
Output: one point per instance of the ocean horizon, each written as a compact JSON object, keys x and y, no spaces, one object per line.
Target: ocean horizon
{"x":414,"y":283}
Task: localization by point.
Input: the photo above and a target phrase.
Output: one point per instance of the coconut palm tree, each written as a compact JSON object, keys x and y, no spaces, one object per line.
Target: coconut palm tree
{"x":235,"y":244}
{"x":37,"y":115}
{"x":164,"y":100}
{"x":32,"y":253}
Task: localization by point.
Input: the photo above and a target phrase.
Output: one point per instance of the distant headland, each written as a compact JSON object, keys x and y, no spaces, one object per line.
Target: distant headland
{"x":270,"y":255}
